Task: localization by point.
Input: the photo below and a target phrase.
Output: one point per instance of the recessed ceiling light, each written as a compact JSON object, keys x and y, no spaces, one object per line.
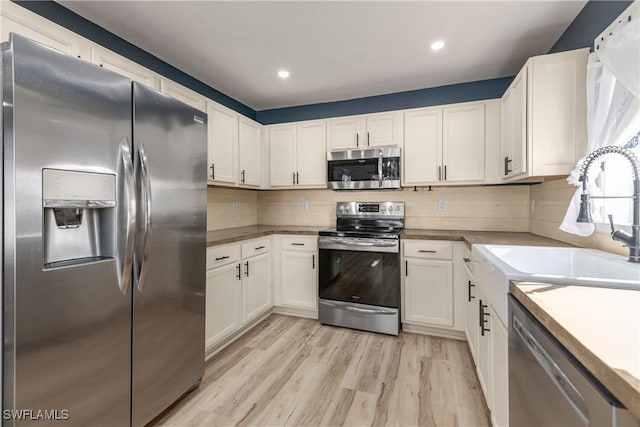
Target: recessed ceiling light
{"x":283,"y":74}
{"x":437,"y":45}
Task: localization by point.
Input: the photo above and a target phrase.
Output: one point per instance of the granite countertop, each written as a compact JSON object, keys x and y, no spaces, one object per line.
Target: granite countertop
{"x":482,"y":237}
{"x":599,"y":326}
{"x":230,"y":235}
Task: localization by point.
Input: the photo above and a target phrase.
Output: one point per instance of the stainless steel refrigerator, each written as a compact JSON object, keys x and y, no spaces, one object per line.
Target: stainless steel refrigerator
{"x":104,"y":228}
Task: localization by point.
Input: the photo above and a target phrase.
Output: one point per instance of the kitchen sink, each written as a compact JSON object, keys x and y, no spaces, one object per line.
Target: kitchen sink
{"x":564,"y":265}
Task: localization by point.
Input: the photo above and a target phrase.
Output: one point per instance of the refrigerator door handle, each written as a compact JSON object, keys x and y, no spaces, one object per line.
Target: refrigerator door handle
{"x":146,"y":190}
{"x":124,"y":275}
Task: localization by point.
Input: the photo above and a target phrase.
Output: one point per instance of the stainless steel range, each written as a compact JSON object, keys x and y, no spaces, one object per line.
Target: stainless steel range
{"x":359,"y":283}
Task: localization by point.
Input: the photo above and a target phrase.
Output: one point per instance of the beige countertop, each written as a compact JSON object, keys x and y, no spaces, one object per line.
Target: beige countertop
{"x":230,"y":235}
{"x":482,"y":237}
{"x":599,"y":326}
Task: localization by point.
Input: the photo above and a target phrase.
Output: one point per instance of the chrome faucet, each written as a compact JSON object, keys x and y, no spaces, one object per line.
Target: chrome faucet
{"x":632,"y":241}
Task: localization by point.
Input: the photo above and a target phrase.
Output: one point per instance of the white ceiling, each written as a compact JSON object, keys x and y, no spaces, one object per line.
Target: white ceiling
{"x":335,"y":50}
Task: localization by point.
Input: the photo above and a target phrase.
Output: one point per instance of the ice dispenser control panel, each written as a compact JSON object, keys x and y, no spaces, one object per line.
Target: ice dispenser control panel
{"x":64,"y":188}
{"x":79,"y":217}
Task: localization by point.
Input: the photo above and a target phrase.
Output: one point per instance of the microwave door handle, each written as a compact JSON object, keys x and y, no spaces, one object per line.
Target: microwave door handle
{"x":380,"y":161}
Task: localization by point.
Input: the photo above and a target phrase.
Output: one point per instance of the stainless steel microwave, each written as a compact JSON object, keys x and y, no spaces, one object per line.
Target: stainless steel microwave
{"x":377,"y":168}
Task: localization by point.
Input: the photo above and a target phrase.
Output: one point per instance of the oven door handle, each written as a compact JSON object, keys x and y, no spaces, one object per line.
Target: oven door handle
{"x":367,"y":310}
{"x":380,"y":244}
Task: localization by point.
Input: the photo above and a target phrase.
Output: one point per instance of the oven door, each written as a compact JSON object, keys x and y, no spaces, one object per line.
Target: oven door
{"x":360,"y":271}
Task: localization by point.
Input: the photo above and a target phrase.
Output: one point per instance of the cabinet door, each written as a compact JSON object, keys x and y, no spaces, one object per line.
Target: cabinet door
{"x":428,"y":292}
{"x":222,"y":137}
{"x":16,"y":19}
{"x":500,"y":371}
{"x":422,"y":146}
{"x":256,"y":286}
{"x":519,"y":124}
{"x":345,"y":133}
{"x":223,"y":313}
{"x":183,"y":94}
{"x":312,"y":154}
{"x":299,"y":279}
{"x":121,"y":65}
{"x":471,"y":318}
{"x":484,"y":361}
{"x":250,"y":150}
{"x":463,"y":143}
{"x":383,"y":129}
{"x":558,"y":111}
{"x":282,"y":155}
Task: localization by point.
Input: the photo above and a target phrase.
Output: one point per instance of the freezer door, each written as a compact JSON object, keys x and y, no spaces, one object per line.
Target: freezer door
{"x":168,"y":346}
{"x":66,"y":297}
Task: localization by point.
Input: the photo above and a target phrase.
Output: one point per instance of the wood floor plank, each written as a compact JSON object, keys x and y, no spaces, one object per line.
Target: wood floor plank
{"x":289,"y":371}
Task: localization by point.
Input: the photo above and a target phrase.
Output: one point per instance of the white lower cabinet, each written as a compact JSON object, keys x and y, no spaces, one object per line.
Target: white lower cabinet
{"x":238,"y":287}
{"x":431,"y":286}
{"x":256,"y":286}
{"x":223,"y":302}
{"x":483,"y":355}
{"x":298,"y":272}
{"x":471,"y":312}
{"x":428,"y":292}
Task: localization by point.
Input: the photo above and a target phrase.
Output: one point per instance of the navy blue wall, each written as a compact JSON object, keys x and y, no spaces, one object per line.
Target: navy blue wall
{"x":74,"y":22}
{"x":485,"y":89}
{"x":594,"y":17}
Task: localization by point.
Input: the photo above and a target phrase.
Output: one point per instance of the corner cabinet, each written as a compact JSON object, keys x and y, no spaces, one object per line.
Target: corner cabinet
{"x":297,"y":155}
{"x":238,"y":288}
{"x":249,"y":152}
{"x":370,"y":130}
{"x":544,"y":110}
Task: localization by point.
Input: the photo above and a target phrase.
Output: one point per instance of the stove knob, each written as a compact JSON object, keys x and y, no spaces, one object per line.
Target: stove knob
{"x":397,"y":208}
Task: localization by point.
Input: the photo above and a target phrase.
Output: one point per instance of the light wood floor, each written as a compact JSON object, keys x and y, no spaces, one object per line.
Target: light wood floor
{"x":297,"y":372}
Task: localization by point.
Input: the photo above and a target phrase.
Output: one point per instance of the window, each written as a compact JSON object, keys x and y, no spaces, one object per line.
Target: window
{"x":617,"y":180}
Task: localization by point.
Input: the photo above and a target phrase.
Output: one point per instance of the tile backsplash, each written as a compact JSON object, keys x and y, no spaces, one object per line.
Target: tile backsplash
{"x":467,"y":208}
{"x":230,"y":207}
{"x":551,"y":202}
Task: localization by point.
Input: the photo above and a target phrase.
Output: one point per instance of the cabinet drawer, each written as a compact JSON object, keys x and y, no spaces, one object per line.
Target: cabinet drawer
{"x":222,"y":255}
{"x":300,"y":243}
{"x":431,"y":249}
{"x":255,"y":247}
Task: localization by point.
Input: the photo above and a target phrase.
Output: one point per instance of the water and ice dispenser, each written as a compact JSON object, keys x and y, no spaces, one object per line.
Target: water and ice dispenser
{"x":79,"y":217}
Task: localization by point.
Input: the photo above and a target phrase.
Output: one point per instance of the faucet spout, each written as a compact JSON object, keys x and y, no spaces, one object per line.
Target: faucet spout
{"x":631,"y":240}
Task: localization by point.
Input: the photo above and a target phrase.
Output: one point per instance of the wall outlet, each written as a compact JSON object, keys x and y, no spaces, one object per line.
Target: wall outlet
{"x":442,"y":205}
{"x":234,"y":206}
{"x":532,"y":206}
{"x":304,"y":205}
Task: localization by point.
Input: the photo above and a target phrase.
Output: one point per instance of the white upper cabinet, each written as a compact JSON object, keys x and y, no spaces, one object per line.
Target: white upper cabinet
{"x":370,"y":130}
{"x":544,"y":116}
{"x":250,"y":152}
{"x":123,"y":66}
{"x":344,"y":133}
{"x":298,"y":155}
{"x":383,"y":129}
{"x":183,"y":94}
{"x":282,"y":155}
{"x":422,"y":145}
{"x":445,"y":146}
{"x":16,"y":19}
{"x":463,"y":143}
{"x":312,"y":154}
{"x":222,"y":145}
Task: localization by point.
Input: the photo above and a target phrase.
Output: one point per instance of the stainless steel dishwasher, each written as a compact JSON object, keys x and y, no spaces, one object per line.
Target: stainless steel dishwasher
{"x":548,"y":386}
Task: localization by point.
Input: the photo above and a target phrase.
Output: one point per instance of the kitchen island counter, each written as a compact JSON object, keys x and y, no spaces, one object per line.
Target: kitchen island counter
{"x":599,"y":326}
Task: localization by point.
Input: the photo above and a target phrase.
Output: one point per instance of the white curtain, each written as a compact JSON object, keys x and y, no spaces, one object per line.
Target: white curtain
{"x":613,"y":109}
